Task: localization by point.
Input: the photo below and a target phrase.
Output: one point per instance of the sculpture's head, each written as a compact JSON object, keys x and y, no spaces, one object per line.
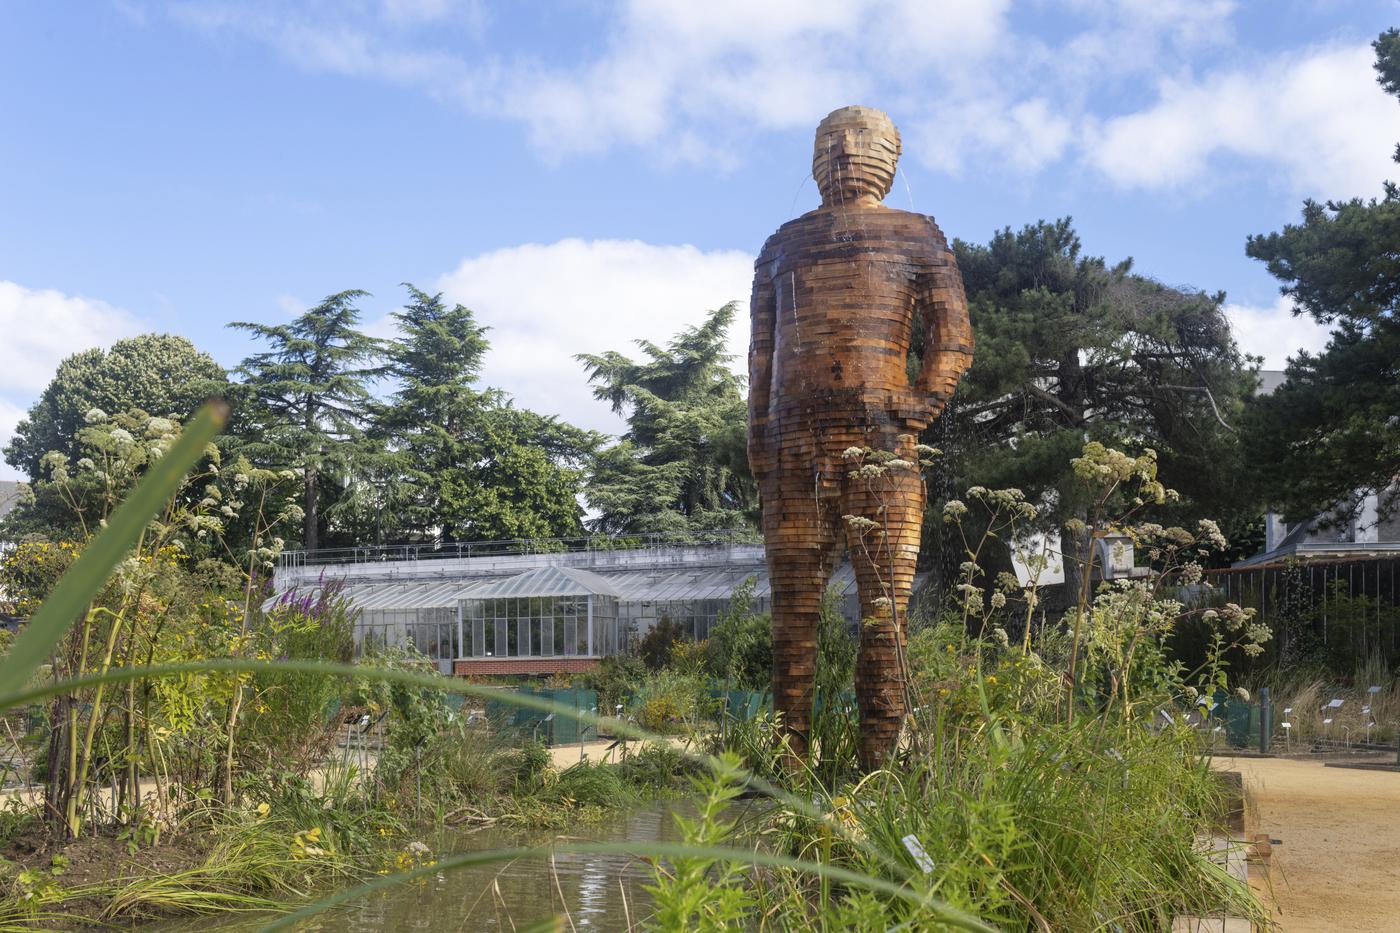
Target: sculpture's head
{"x":855,"y":154}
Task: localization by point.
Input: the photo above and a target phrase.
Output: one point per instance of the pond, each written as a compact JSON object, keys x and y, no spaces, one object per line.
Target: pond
{"x":599,"y":891}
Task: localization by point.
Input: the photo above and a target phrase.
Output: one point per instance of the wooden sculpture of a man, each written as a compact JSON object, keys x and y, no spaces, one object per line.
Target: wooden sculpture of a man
{"x":836,"y":296}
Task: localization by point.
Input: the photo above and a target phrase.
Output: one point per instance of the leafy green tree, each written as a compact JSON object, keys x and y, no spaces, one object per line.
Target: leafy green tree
{"x":305,"y":403}
{"x":157,"y":373}
{"x":1331,"y":432}
{"x":467,"y":465}
{"x":681,"y":466}
{"x":739,"y":651}
{"x":1070,"y":349}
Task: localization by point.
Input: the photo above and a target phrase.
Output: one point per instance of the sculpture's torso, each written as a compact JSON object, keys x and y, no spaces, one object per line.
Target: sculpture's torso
{"x":845,"y":282}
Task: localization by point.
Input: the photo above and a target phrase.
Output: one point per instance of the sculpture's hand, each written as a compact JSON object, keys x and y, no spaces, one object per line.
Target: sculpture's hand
{"x":938,"y":385}
{"x":918,"y":404}
{"x":948,"y":338}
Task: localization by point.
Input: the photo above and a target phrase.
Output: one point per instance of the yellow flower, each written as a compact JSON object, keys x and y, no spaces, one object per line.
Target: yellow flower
{"x":991,"y":678}
{"x":943,"y":692}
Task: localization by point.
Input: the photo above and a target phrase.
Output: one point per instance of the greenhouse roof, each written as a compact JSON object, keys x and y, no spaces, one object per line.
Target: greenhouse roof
{"x":437,"y":595}
{"x":679,"y":585}
{"x":379,"y":596}
{"x":545,"y":581}
{"x":645,"y":586}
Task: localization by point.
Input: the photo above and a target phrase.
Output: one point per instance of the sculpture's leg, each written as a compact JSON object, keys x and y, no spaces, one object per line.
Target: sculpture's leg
{"x":800,"y":530}
{"x":884,"y":559}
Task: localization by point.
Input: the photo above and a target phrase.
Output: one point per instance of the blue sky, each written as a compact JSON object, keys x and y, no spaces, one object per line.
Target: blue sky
{"x":582,"y":173}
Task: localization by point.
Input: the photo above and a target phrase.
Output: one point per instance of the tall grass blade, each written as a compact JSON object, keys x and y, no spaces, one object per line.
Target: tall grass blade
{"x":85,"y":579}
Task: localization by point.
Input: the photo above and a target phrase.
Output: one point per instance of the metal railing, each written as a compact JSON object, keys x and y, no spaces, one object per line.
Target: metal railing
{"x":455,"y":550}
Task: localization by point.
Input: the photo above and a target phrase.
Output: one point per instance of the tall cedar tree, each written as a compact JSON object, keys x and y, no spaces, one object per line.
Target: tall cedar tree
{"x":1070,"y":349}
{"x":305,"y":401}
{"x":468,"y":465}
{"x":681,"y":466}
{"x":1331,"y":432}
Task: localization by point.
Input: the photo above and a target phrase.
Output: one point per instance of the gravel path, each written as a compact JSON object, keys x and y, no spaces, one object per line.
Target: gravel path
{"x":1338,"y":868}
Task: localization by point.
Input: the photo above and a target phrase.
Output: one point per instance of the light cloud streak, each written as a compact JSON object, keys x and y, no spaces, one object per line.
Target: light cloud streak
{"x":1130,"y":89}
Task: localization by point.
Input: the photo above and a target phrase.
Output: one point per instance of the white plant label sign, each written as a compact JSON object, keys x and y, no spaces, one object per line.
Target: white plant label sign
{"x":916,"y":849}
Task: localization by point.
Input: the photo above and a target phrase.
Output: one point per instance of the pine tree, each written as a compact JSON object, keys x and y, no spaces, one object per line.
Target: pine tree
{"x":1331,"y":432}
{"x":305,"y":402}
{"x":1070,"y":349}
{"x":682,"y":464}
{"x":467,"y":464}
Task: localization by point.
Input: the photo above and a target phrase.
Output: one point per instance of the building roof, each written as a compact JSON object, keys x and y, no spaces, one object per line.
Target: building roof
{"x":381,"y":596}
{"x":678,"y":585}
{"x":407,"y":596}
{"x":545,"y":581}
{"x":1269,"y":380}
{"x":9,"y":496}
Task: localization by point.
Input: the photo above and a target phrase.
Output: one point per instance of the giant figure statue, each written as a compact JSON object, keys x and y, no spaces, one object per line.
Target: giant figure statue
{"x":836,"y":296}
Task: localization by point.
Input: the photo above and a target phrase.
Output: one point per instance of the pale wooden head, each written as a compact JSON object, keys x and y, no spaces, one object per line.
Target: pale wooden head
{"x":855,"y":154}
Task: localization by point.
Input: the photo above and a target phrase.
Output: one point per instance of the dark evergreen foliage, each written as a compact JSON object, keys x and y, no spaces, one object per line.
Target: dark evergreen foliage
{"x":1070,"y":349}
{"x":1332,"y":430}
{"x":682,"y":465}
{"x":466,"y":464}
{"x":305,"y":403}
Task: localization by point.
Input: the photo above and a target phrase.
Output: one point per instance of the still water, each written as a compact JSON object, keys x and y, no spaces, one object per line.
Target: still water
{"x":598,"y":891}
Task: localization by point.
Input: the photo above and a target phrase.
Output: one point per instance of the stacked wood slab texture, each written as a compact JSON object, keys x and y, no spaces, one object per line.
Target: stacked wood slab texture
{"x":836,"y":296}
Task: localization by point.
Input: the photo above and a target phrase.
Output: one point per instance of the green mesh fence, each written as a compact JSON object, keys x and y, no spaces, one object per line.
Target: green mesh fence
{"x":519,"y":723}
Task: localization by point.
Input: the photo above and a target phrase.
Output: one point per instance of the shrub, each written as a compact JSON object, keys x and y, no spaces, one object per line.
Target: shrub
{"x":689,"y":657}
{"x":668,"y":700}
{"x":616,"y":679}
{"x":592,"y":785}
{"x":656,"y":767}
{"x":655,"y":649}
{"x":524,"y":766}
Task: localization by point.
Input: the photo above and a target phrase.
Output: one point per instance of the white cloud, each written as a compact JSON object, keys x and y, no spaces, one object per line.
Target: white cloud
{"x":1028,"y":135}
{"x":1319,"y":117}
{"x":546,"y":302}
{"x":291,"y":305}
{"x":41,"y":327}
{"x":698,"y":82}
{"x":1274,"y":332}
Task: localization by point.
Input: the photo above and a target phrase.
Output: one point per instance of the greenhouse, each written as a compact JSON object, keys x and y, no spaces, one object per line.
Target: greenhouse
{"x":542,"y":613}
{"x":550,"y":612}
{"x":418,"y":615}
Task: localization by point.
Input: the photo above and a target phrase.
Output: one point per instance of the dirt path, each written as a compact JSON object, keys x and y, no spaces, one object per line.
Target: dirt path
{"x":565,"y":755}
{"x":1338,"y":868}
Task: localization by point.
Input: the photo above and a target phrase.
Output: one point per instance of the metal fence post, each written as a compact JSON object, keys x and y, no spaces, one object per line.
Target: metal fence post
{"x":1266,"y":720}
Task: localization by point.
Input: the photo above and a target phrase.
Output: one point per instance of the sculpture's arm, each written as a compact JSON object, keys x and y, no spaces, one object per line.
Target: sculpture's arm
{"x":763,"y":315}
{"x":947,"y":331}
